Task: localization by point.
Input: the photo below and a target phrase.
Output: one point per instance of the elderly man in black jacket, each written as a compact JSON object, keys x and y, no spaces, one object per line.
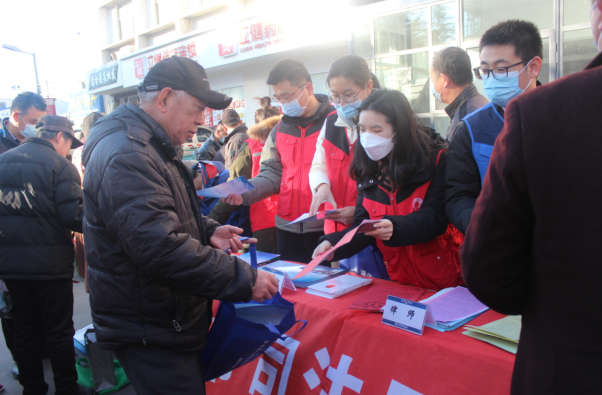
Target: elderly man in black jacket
{"x":152,"y":266}
{"x":41,"y":204}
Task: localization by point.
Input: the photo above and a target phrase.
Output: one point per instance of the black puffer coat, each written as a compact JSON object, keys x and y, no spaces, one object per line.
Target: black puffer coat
{"x":151,"y":274}
{"x":40,"y":205}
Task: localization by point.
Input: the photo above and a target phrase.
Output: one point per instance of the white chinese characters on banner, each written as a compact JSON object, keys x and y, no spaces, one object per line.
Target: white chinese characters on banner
{"x":285,"y":362}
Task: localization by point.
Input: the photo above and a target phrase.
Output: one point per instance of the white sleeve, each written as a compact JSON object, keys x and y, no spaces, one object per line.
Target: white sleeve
{"x":318,"y":174}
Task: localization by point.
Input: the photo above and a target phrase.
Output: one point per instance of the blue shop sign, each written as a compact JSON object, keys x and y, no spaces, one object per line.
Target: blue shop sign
{"x":82,"y":104}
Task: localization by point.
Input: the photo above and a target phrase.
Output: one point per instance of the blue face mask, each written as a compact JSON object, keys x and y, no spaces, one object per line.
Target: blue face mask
{"x":434,"y":91}
{"x":500,"y":92}
{"x":293,"y":108}
{"x":349,"y":110}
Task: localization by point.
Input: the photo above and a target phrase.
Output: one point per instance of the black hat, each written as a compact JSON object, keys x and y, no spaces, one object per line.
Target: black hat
{"x":187,"y":75}
{"x":56,"y":123}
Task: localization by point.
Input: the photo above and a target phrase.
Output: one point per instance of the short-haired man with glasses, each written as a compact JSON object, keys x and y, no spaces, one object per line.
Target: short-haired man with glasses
{"x":286,"y":159}
{"x":511,"y":58}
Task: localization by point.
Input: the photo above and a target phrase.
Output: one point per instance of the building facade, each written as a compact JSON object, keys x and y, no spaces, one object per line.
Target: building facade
{"x":238,"y":42}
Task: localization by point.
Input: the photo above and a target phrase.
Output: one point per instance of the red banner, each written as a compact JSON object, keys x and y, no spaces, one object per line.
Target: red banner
{"x":345,"y":351}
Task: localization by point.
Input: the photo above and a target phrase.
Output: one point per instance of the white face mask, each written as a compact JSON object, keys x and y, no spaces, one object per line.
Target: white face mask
{"x":376,"y":147}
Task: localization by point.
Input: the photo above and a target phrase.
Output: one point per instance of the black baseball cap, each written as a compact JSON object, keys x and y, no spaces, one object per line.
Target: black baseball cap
{"x":56,"y":123}
{"x":184,"y":74}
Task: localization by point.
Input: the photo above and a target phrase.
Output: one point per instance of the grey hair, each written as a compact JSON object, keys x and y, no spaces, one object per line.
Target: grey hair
{"x":148,"y":97}
{"x":454,"y":62}
{"x":46,"y":134}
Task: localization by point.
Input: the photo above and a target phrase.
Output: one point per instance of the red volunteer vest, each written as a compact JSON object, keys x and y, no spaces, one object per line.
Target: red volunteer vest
{"x":338,"y":153}
{"x":296,"y":146}
{"x":432,"y":265}
{"x":263,"y":212}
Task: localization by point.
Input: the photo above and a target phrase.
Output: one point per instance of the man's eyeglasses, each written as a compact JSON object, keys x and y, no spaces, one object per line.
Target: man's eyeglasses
{"x":498,"y":73}
{"x":287,"y":99}
{"x":346,"y":99}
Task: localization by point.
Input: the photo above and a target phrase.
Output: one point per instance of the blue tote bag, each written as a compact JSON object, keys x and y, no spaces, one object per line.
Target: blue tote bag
{"x":369,"y":262}
{"x":242,"y":332}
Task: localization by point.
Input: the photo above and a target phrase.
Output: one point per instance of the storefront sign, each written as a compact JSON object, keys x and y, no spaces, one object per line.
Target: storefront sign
{"x":245,"y":40}
{"x":82,"y":104}
{"x":50,"y":106}
{"x":105,"y":77}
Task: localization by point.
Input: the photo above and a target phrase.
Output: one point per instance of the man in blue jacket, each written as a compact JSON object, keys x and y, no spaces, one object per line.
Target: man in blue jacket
{"x":511,"y":57}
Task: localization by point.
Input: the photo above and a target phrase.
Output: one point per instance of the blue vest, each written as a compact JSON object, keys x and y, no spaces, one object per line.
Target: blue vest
{"x":484,"y":125}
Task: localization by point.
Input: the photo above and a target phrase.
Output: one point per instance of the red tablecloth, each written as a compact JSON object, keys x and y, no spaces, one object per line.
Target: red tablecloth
{"x":343,"y":351}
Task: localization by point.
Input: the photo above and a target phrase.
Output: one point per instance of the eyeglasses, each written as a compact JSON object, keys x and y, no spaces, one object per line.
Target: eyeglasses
{"x":498,"y":73}
{"x":346,"y":99}
{"x":287,"y":99}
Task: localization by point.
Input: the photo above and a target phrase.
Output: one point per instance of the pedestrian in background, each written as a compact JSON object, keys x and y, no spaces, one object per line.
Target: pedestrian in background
{"x":42,"y":206}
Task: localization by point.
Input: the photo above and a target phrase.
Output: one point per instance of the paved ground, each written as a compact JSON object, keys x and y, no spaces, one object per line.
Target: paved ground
{"x":81,"y":318}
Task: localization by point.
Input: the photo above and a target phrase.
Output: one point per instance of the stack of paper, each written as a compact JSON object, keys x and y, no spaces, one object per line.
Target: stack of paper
{"x":502,"y":333}
{"x":262,"y":257}
{"x":318,"y":274}
{"x":337,"y":286}
{"x":453,"y":307}
{"x":376,"y":297}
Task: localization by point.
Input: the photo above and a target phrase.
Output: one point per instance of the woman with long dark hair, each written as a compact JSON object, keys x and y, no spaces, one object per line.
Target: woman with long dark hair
{"x":350,"y":82}
{"x":399,"y":168}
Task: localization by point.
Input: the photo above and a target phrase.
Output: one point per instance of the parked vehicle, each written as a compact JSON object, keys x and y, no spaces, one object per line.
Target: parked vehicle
{"x":194,"y":143}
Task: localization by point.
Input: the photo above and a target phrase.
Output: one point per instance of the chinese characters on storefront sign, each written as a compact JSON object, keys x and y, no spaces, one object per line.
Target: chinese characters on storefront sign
{"x":253,"y":36}
{"x":185,"y":51}
{"x":107,"y":76}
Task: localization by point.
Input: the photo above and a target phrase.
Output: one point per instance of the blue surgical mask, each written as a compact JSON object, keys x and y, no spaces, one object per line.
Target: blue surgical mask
{"x":434,"y":91}
{"x":349,"y":110}
{"x":30,"y":130}
{"x":500,"y":92}
{"x":293,"y":108}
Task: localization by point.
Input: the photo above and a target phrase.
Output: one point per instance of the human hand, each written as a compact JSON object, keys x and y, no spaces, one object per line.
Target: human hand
{"x":226,"y":238}
{"x":233,"y":199}
{"x":345,"y":215}
{"x":384,"y":230}
{"x":265,"y":286}
{"x":323,"y":247}
{"x":323,"y":193}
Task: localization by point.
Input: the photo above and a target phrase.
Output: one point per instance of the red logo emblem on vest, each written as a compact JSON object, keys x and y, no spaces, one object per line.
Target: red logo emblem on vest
{"x":416,"y":204}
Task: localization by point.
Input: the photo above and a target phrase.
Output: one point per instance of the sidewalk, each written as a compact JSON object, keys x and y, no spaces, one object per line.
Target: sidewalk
{"x":81,"y":318}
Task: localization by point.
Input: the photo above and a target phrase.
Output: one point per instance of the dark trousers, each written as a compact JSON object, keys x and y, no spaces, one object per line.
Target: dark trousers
{"x":43,"y":314}
{"x":159,"y":371}
{"x":297,"y":247}
{"x":9,"y":334}
{"x":266,"y":240}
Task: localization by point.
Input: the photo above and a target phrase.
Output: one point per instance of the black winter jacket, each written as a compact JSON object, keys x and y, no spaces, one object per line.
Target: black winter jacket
{"x":462,"y":179}
{"x":208,"y":149}
{"x":152,"y":274}
{"x":41,"y":203}
{"x":7,"y":142}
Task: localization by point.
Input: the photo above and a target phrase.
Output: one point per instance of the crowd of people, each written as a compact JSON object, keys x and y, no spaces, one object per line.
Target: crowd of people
{"x":500,"y":203}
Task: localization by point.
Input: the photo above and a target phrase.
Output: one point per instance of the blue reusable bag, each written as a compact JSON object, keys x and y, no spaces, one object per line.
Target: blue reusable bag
{"x":242,"y":332}
{"x":369,"y":262}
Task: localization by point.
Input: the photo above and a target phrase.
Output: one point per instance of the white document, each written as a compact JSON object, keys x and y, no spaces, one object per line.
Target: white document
{"x":337,"y":286}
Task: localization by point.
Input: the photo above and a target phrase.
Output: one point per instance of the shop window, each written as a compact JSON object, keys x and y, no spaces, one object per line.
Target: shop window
{"x":398,"y":32}
{"x":480,"y":15}
{"x":444,"y":17}
{"x":361,"y":42}
{"x":576,"y":11}
{"x":408,"y":74}
{"x":424,"y":121}
{"x":441,"y":125}
{"x":319,"y":83}
{"x":126,"y":19}
{"x":238,"y":103}
{"x":578,"y":50}
{"x":544,"y":73}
